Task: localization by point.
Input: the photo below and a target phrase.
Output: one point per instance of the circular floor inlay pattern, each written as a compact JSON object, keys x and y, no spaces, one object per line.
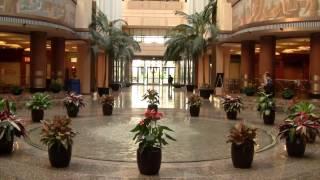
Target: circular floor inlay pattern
{"x":108,"y":138}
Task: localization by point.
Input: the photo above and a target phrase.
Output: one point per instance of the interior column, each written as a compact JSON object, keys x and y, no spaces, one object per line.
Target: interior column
{"x":267,"y":56}
{"x":247,"y":62}
{"x":314,"y":67}
{"x":58,"y":59}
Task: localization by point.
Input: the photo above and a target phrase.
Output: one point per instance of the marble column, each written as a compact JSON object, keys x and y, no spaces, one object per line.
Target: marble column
{"x":314,"y":66}
{"x":267,"y":56}
{"x":58,"y":59}
{"x":38,"y":64}
{"x":247,"y":62}
{"x":84,"y":68}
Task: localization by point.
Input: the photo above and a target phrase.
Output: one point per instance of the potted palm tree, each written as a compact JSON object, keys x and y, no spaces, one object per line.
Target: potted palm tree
{"x":117,"y":45}
{"x":232,"y":105}
{"x":266,"y":107}
{"x":107,"y":102}
{"x":194,"y":102}
{"x":242,"y":148}
{"x":73,"y":103}
{"x":151,"y":137}
{"x":152,"y":97}
{"x":38,"y":103}
{"x":10,"y":126}
{"x":57,"y":135}
{"x":294,"y":130}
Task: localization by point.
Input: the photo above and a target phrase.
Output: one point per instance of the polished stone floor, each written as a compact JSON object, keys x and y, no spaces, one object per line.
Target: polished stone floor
{"x":103,"y":148}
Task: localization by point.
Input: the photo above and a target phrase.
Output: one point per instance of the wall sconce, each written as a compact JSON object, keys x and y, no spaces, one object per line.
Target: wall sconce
{"x":26,"y":59}
{"x":74,"y":60}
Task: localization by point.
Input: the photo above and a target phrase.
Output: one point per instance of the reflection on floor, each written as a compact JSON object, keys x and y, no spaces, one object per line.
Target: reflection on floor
{"x":104,"y":143}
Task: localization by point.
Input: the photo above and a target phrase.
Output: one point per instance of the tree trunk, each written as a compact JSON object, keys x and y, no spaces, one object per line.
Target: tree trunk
{"x":203,"y":68}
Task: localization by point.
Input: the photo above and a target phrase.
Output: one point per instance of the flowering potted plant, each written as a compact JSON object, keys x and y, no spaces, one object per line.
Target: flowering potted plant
{"x":57,"y":135}
{"x":38,"y":103}
{"x":266,"y":107}
{"x":242,"y":148}
{"x":10,"y":126}
{"x":73,"y":103}
{"x":151,"y":138}
{"x":107,"y":102}
{"x":232,"y":105}
{"x":194,"y":102}
{"x":294,"y":130}
{"x":152,"y":97}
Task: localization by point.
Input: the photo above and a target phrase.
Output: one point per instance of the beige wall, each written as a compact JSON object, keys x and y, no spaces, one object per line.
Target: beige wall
{"x":224,"y":15}
{"x":196,"y":5}
{"x":151,"y":50}
{"x":83,"y":13}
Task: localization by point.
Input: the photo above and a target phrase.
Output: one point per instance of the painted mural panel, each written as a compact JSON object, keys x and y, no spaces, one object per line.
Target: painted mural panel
{"x":252,"y":11}
{"x":59,"y":10}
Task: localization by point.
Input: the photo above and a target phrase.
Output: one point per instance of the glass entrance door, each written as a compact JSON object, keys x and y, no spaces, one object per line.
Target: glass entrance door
{"x":138,"y":75}
{"x":166,"y":71}
{"x":153,"y":75}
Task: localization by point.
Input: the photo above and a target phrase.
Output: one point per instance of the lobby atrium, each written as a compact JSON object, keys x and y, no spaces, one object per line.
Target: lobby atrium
{"x":159,"y":89}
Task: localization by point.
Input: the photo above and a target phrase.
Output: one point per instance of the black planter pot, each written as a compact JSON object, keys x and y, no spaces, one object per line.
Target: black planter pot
{"x":194,"y":111}
{"x":287,"y":97}
{"x":149,"y":160}
{"x":249,"y":93}
{"x":107,"y":109}
{"x":153,"y":107}
{"x":103,"y":91}
{"x":115,"y":86}
{"x":232,"y":115}
{"x":72,"y":110}
{"x":242,"y":154}
{"x":6,"y":146}
{"x":205,"y":93}
{"x":177,"y":85}
{"x":59,"y":157}
{"x":37,"y":115}
{"x":297,"y":147}
{"x":269,"y":119}
{"x":190,"y":88}
{"x":17,"y":92}
{"x":311,"y":135}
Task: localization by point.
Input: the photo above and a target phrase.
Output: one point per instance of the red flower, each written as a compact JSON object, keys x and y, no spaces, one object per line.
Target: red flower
{"x":153,"y":115}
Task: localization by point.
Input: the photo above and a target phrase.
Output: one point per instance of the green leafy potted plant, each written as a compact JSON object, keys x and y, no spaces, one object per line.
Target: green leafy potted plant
{"x":232,"y":105}
{"x":16,"y":90}
{"x":266,"y":107}
{"x":73,"y":103}
{"x":10,"y":126}
{"x":55,"y":87}
{"x":107,"y":102}
{"x":152,"y":97}
{"x":151,"y":138}
{"x":194,"y":102}
{"x":38,"y":103}
{"x":294,"y":131}
{"x":287,"y":93}
{"x":242,"y":148}
{"x":307,"y":109}
{"x":58,"y":136}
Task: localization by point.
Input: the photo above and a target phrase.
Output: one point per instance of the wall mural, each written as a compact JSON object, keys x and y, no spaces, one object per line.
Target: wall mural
{"x":251,"y":11}
{"x":60,"y":10}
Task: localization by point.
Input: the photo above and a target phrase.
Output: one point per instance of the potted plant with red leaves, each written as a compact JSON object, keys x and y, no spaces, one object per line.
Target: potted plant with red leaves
{"x":152,"y":97}
{"x":266,"y":107}
{"x":10,"y":126}
{"x":38,"y":103}
{"x":194,"y":102}
{"x":242,"y":148}
{"x":73,"y":102}
{"x":58,"y":136}
{"x":107,"y":102}
{"x":151,"y":138}
{"x":295,"y":131}
{"x":232,"y":106}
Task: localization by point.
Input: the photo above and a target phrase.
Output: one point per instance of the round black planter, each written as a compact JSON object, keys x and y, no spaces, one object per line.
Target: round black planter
{"x":194,"y":111}
{"x":287,"y":97}
{"x":17,"y":92}
{"x":115,"y":86}
{"x":149,"y":160}
{"x":249,"y":93}
{"x":72,"y":110}
{"x":242,"y":154}
{"x":205,"y":93}
{"x":190,"y":88}
{"x":6,"y":146}
{"x":59,"y":157}
{"x":37,"y":115}
{"x":297,"y":147}
{"x":269,"y":119}
{"x":311,"y":135}
{"x":232,"y":115}
{"x":107,"y":109}
{"x":153,"y":107}
{"x":103,"y":91}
